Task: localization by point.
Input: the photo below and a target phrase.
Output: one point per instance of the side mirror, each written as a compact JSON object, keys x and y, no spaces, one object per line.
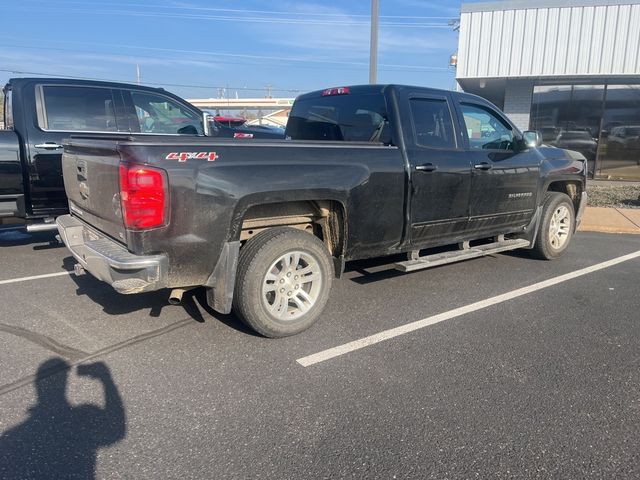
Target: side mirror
{"x":531,"y":138}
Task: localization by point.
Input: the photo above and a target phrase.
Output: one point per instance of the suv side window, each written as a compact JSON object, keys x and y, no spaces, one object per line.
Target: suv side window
{"x":432,"y":123}
{"x":78,"y":109}
{"x":159,"y":114}
{"x":485,"y":129}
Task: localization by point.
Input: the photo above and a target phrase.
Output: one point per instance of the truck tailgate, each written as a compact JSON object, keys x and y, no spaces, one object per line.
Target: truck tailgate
{"x":91,"y":178}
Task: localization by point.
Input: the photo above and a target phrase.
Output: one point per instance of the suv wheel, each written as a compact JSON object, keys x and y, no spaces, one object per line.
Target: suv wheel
{"x":283,"y":281}
{"x":556,"y":226}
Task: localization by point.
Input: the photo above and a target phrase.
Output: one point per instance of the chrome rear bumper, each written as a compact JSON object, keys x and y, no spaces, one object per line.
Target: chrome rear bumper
{"x":109,"y":261}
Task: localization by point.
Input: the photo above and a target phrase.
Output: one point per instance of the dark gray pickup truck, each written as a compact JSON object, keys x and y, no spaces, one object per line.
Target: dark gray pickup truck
{"x":365,"y":171}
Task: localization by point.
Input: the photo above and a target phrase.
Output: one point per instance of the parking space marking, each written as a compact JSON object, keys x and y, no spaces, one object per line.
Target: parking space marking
{"x":441,"y":317}
{"x":34,"y":277}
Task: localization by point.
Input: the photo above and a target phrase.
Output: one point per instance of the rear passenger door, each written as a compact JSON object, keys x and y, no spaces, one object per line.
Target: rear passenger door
{"x":505,"y":175}
{"x":62,"y":110}
{"x":440,"y":171}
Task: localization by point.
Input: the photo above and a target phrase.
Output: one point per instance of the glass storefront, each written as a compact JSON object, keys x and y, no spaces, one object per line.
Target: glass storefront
{"x":600,"y":121}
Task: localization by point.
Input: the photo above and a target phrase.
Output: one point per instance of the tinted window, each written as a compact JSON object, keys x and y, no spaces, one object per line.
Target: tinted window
{"x":619,"y":154}
{"x":160,"y":114}
{"x":432,"y":123}
{"x":349,"y":118}
{"x":8,"y":110}
{"x":485,"y":129}
{"x":79,"y":109}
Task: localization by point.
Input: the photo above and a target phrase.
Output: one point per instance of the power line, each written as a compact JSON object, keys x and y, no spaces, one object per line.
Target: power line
{"x":134,"y":13}
{"x":244,"y":11}
{"x":216,"y":54}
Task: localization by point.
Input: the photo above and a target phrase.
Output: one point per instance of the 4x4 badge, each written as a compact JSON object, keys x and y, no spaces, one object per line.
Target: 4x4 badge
{"x":184,"y":156}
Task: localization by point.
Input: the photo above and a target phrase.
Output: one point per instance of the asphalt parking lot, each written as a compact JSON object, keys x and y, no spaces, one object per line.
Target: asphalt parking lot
{"x":527,"y":382}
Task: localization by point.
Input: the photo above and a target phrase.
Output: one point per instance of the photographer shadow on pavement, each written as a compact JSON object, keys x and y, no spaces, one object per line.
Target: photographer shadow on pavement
{"x":58,"y":439}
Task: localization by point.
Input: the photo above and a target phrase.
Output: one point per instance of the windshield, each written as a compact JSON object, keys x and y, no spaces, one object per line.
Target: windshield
{"x":349,"y":118}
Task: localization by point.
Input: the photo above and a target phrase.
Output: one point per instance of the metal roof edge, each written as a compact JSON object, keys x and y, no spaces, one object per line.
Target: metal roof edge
{"x":530,"y":4}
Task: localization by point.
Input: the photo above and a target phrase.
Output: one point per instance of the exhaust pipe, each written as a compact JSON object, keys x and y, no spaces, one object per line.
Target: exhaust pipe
{"x":175,"y":297}
{"x":41,"y":227}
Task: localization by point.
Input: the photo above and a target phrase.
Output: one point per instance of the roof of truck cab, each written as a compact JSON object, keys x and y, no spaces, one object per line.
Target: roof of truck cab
{"x":381,"y":88}
{"x":74,"y":81}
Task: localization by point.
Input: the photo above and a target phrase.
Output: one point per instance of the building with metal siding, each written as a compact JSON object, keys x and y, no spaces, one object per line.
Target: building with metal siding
{"x":569,"y":68}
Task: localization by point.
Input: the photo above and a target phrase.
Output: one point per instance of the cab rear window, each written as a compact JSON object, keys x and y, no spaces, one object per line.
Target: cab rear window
{"x":348,"y":118}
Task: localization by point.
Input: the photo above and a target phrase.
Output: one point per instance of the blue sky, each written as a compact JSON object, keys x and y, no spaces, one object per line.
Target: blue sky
{"x":194,"y":47}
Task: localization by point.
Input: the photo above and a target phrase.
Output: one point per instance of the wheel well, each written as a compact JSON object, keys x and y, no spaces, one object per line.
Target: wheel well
{"x":572,"y":189}
{"x":322,"y":218}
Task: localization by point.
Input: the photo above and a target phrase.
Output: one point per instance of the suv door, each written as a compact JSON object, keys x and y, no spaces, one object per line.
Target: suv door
{"x":504,"y":182}
{"x":440,"y":172}
{"x":62,"y":110}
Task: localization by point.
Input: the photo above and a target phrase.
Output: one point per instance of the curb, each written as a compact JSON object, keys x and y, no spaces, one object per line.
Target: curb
{"x":610,"y":220}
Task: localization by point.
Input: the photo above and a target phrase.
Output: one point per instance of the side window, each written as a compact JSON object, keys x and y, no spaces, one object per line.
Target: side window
{"x":76,"y":108}
{"x":160,"y":114}
{"x":485,"y":129}
{"x":432,"y":123}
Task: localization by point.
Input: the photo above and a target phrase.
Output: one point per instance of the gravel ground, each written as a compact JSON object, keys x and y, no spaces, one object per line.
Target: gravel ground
{"x":620,"y":196}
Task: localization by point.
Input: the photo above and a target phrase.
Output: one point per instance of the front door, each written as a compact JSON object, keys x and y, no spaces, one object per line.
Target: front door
{"x":505,"y":175}
{"x":440,"y":173}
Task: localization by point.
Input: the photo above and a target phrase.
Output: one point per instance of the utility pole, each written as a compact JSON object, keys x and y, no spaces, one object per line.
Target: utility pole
{"x":373,"y":56}
{"x":138,"y":73}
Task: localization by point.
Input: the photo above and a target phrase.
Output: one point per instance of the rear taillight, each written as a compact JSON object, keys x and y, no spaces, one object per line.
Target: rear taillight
{"x":143,"y":196}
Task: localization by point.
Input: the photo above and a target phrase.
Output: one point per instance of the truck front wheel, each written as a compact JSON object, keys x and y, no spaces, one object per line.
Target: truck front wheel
{"x":556,"y":226}
{"x":283,"y":281}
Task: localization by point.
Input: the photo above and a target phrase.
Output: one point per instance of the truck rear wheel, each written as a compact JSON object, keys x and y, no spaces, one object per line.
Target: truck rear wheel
{"x":283,"y":281}
{"x":556,"y":226}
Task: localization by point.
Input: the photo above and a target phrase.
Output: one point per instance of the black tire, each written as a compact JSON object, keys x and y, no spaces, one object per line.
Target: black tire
{"x":544,"y":248}
{"x":252,"y":305}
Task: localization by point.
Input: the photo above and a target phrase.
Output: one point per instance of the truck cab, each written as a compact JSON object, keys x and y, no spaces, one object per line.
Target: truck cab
{"x":41,"y":112}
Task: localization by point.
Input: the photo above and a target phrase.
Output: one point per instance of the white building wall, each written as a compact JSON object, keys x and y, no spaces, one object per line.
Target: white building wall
{"x":517,"y":102}
{"x":549,"y":38}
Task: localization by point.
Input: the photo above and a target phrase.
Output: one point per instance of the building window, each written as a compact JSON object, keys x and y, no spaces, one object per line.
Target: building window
{"x":568,"y":116}
{"x":601,"y":122}
{"x":619,"y":153}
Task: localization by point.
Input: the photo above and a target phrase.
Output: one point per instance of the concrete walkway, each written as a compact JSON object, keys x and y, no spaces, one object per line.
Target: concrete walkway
{"x":611,"y":220}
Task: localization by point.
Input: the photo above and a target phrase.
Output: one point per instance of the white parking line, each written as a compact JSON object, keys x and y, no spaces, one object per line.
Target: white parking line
{"x":441,"y":317}
{"x":35,"y":277}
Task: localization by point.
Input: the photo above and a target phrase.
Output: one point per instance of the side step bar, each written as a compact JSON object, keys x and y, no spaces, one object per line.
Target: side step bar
{"x":434,"y":260}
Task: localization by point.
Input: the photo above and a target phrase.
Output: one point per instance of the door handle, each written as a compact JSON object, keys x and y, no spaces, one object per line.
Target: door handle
{"x":426,"y":167}
{"x":482,"y":166}
{"x":48,"y":145}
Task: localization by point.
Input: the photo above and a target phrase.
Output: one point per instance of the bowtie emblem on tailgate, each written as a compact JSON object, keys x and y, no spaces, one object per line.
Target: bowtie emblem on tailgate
{"x":83,"y":188}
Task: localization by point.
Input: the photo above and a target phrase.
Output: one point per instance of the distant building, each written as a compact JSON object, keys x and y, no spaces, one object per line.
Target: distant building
{"x":569,"y":69}
{"x":279,"y":119}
